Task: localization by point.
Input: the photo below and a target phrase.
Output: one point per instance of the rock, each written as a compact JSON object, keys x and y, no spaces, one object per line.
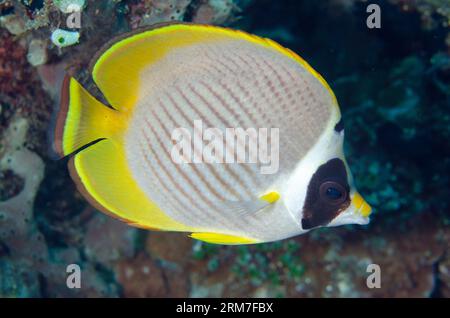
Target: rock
{"x":68,"y":6}
{"x":444,"y":276}
{"x":13,"y":23}
{"x":17,"y":280}
{"x":143,"y":277}
{"x":215,"y":12}
{"x":169,"y":246}
{"x":108,"y":239}
{"x":37,"y":52}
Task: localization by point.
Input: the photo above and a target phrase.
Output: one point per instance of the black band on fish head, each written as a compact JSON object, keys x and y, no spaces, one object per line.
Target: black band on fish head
{"x":327,"y":194}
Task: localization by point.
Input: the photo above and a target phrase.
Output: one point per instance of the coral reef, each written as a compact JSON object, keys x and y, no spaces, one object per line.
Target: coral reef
{"x":68,"y":6}
{"x":215,"y":12}
{"x":149,"y":12}
{"x":394,"y":96}
{"x":21,"y":241}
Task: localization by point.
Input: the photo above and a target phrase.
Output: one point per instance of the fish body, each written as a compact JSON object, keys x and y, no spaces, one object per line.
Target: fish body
{"x":202,"y":86}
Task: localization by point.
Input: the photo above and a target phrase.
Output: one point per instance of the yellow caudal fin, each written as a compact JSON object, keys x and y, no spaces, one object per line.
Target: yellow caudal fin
{"x":82,"y":119}
{"x":225,"y":239}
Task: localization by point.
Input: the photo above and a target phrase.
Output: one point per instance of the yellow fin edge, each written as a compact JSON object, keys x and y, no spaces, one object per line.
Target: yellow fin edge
{"x":225,"y":239}
{"x":105,"y":181}
{"x":72,"y":121}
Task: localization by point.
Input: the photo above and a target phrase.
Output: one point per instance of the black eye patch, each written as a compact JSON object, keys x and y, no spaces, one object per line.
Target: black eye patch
{"x":327,"y":194}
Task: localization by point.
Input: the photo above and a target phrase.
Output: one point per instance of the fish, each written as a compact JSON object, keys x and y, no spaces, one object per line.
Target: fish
{"x":157,"y":153}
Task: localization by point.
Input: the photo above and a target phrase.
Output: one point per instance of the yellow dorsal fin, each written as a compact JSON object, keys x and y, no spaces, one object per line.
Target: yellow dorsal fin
{"x":116,"y":68}
{"x":217,"y":238}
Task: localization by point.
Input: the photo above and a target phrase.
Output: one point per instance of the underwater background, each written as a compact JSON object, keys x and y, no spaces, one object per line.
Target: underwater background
{"x":393,"y":87}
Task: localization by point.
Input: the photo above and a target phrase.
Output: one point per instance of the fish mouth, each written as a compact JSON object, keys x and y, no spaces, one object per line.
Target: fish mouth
{"x":357,"y":213}
{"x":361,"y":207}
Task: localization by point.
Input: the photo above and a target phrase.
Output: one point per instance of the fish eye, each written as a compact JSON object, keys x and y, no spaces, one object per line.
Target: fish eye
{"x":332,"y":192}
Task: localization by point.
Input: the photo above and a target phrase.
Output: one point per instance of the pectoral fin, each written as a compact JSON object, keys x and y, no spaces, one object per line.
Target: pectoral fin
{"x":250,"y":206}
{"x":236,"y":208}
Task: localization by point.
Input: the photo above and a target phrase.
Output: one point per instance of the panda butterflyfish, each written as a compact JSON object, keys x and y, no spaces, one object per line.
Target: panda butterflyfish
{"x":144,"y":160}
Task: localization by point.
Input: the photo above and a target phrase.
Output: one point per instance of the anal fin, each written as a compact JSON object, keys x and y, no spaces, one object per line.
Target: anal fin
{"x":102,"y":176}
{"x":217,"y":238}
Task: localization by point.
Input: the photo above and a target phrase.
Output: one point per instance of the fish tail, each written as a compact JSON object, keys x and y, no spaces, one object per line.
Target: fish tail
{"x":82,"y":120}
